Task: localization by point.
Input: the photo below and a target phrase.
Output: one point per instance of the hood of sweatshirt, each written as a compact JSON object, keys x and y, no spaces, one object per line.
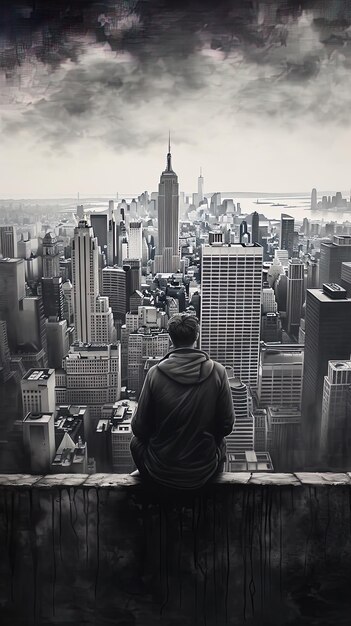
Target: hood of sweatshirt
{"x":187,"y":366}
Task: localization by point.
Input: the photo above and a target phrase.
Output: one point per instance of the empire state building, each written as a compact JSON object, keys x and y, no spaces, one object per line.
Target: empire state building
{"x":167,"y":259}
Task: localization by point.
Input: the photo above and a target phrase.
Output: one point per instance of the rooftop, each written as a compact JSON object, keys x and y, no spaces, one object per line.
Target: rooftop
{"x":38,"y":374}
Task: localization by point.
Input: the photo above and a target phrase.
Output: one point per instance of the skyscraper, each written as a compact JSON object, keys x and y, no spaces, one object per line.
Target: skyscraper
{"x":144,"y":343}
{"x":114,"y":287}
{"x":200,"y":188}
{"x":241,"y":438}
{"x":244,"y":235}
{"x":135,"y":240}
{"x":167,"y":259}
{"x":280,"y":375}
{"x":287,"y":224}
{"x":255,"y":224}
{"x":8,"y":242}
{"x":335,"y":427}
{"x":99,"y":223}
{"x":332,"y":256}
{"x":327,"y":338}
{"x":51,"y":256}
{"x":12,"y":290}
{"x":38,"y":391}
{"x":295,"y":294}
{"x":231,"y":306}
{"x":39,"y":441}
{"x":314,"y":199}
{"x":93,"y":319}
{"x":52,"y":296}
{"x":91,"y":375}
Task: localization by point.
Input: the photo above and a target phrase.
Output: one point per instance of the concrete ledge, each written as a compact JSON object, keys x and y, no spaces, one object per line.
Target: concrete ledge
{"x":122,"y":481}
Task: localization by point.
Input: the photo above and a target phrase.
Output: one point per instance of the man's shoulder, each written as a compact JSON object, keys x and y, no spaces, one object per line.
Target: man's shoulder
{"x":219,"y":368}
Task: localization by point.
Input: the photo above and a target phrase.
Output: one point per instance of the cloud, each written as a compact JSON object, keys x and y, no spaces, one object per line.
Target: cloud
{"x":120,"y":73}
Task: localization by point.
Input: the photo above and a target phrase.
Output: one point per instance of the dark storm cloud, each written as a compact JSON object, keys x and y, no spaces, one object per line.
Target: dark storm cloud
{"x":91,"y":69}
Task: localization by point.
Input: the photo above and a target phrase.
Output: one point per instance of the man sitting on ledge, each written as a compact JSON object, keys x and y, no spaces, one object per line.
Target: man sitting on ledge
{"x":184,"y":412}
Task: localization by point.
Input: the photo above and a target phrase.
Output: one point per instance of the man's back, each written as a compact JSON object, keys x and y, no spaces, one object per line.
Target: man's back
{"x":185,"y":409}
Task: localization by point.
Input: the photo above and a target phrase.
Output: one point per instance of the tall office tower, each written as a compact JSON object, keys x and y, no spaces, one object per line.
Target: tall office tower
{"x":12,"y":290}
{"x":8,"y":242}
{"x":241,"y":438}
{"x":269,"y":304}
{"x":121,"y":435}
{"x":93,"y":319}
{"x":231,"y":307}
{"x":52,"y":296}
{"x":261,"y":430}
{"x":282,"y":256}
{"x":99,"y":223}
{"x":51,"y":256}
{"x":271,"y":330}
{"x":312,"y":273}
{"x":66,"y":269}
{"x":38,"y":391}
{"x":215,"y":204}
{"x":346,"y":277}
{"x":295,"y":294}
{"x":306,"y":227}
{"x":39,"y":441}
{"x":57,"y":341}
{"x":68,"y":309}
{"x":24,"y":248}
{"x":255,"y":228}
{"x":332,"y":256}
{"x":335,"y":427}
{"x":314,"y":199}
{"x":167,"y":259}
{"x":200,"y":188}
{"x":91,"y":375}
{"x":244,"y":235}
{"x":135,"y":241}
{"x":280,"y":375}
{"x":80,"y":212}
{"x":144,"y":343}
{"x":31,"y":334}
{"x":136,"y":300}
{"x":114,"y":287}
{"x":111,"y":257}
{"x":287,"y":226}
{"x":132,"y":269}
{"x":327,"y":338}
{"x":284,"y":437}
{"x":131,"y":325}
{"x":5,"y":356}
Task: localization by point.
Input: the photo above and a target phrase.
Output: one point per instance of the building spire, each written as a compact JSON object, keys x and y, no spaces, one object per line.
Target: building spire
{"x":169,"y":156}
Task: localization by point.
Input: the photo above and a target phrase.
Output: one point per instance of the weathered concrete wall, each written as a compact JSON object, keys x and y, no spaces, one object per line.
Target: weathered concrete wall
{"x":266,"y":549}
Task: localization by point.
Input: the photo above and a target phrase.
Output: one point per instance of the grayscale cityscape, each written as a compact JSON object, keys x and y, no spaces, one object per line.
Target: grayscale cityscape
{"x":87,"y":288}
{"x":175,"y":312}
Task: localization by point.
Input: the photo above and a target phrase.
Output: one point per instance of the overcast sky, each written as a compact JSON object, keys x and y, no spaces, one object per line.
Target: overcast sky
{"x":257,"y":93}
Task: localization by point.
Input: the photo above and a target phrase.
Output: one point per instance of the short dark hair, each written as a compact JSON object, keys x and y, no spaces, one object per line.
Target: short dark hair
{"x":183,"y":329}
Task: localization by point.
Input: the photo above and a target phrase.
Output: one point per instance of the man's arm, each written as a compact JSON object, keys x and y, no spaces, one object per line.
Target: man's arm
{"x":225,"y":410}
{"x":143,"y":420}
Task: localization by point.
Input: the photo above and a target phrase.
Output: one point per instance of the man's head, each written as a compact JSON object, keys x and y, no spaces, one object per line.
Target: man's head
{"x":183,"y":329}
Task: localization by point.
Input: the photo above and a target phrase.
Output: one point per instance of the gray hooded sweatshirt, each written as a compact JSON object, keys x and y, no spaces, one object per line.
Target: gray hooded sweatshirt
{"x":185,"y":410}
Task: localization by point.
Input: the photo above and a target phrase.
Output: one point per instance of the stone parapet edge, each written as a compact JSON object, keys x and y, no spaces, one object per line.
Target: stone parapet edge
{"x":122,"y":481}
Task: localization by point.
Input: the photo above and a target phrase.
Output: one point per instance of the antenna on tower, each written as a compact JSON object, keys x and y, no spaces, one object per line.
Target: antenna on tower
{"x":169,"y":141}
